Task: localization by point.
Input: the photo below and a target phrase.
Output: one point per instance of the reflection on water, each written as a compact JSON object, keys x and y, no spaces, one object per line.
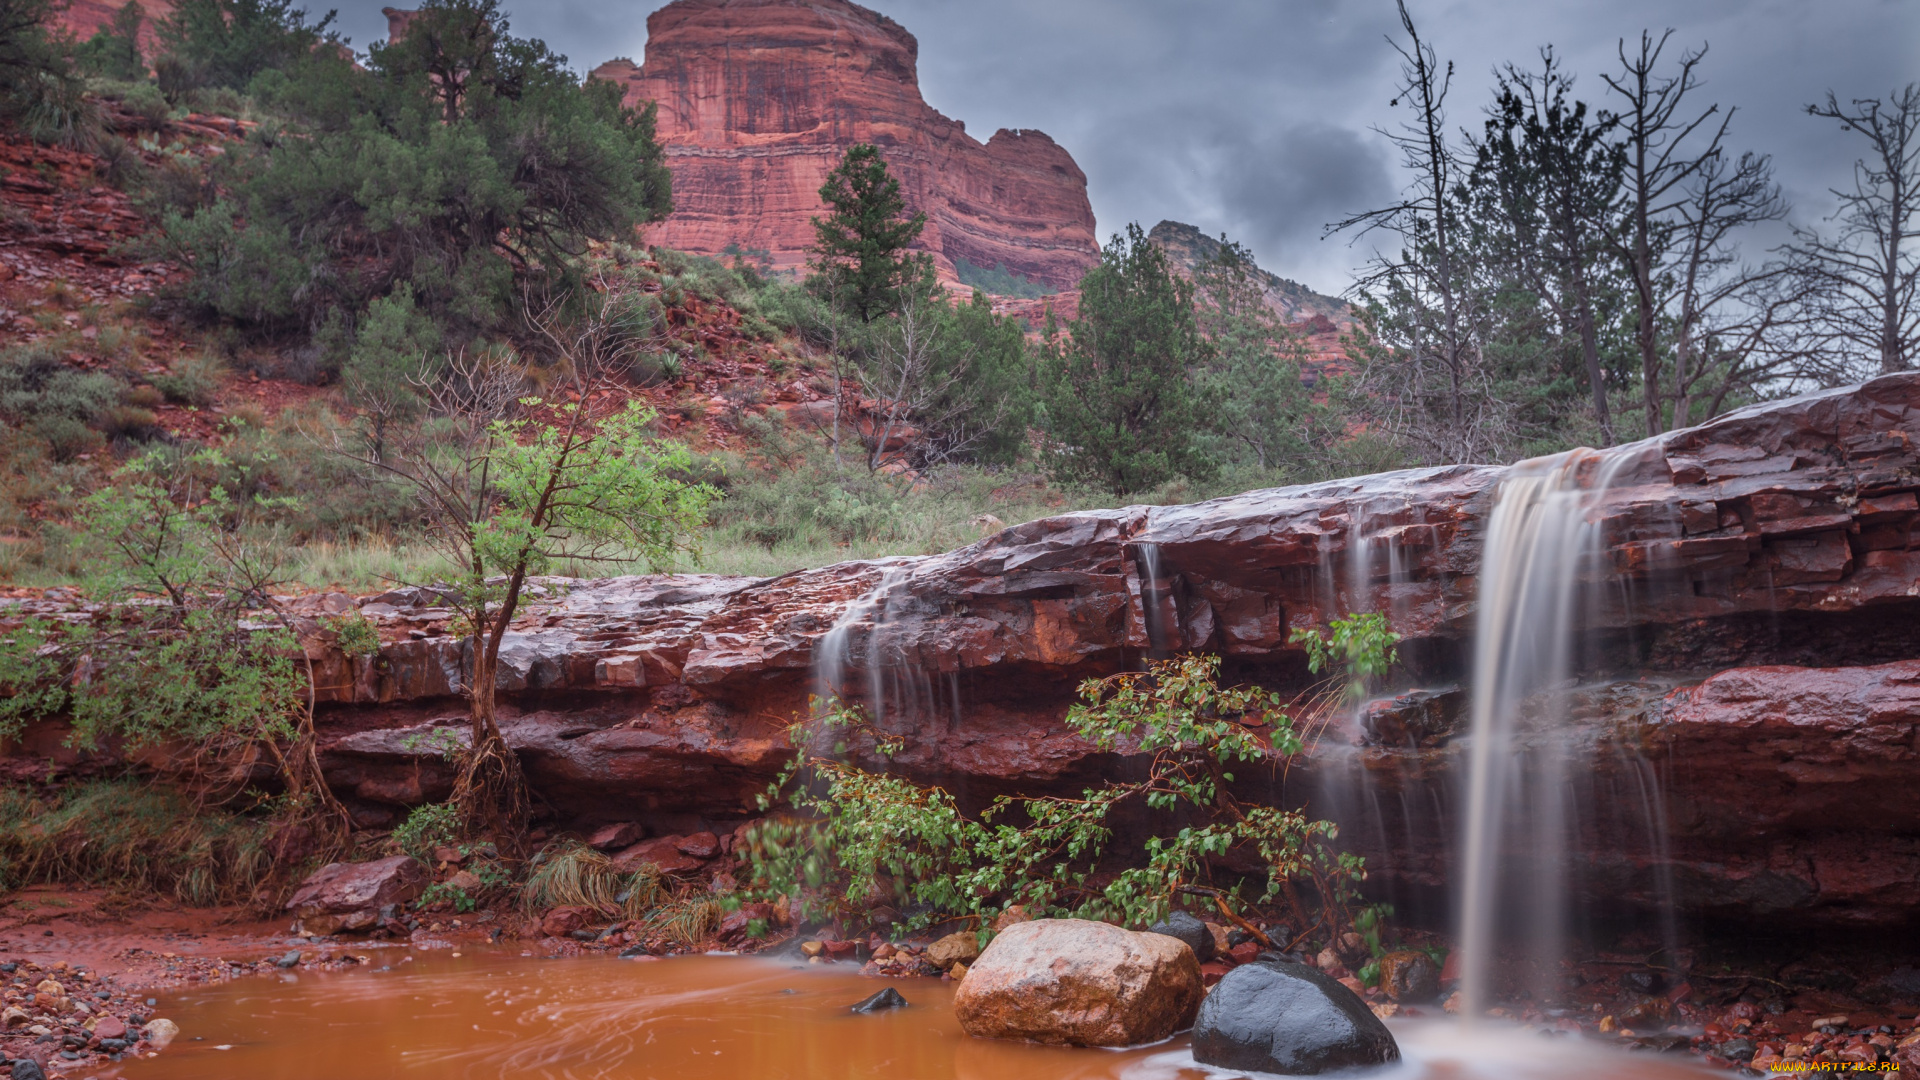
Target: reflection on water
{"x":497,"y":1015}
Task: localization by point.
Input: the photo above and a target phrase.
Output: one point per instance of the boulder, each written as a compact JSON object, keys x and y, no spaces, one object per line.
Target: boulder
{"x":1184,"y":927}
{"x":664,"y":854}
{"x":1078,"y":983}
{"x":349,"y":896}
{"x":562,"y":921}
{"x":1277,"y":1017}
{"x":1411,"y":978}
{"x":961,"y":947}
{"x":622,"y":834}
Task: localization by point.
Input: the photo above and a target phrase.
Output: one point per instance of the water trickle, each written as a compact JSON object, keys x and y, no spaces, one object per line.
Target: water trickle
{"x":1540,"y":580}
{"x":1153,"y":596}
{"x":864,"y":659}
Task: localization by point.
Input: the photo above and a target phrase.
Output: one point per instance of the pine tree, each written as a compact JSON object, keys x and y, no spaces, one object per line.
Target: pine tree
{"x":1125,"y":407}
{"x":860,"y":251}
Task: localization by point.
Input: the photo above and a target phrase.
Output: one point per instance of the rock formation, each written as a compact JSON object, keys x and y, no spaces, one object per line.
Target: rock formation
{"x":1757,"y":664}
{"x":758,"y":99}
{"x":1187,"y":247}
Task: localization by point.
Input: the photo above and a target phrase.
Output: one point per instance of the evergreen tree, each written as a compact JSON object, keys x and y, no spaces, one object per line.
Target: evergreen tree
{"x":113,"y":51}
{"x":1264,"y":412}
{"x":226,"y":43}
{"x":1125,"y":408}
{"x":860,"y":249}
{"x":367,"y":184}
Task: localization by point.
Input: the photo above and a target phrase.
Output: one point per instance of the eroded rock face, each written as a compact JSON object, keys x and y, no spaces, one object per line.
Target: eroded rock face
{"x":757,"y":101}
{"x":1276,"y":1017}
{"x":1077,"y":983}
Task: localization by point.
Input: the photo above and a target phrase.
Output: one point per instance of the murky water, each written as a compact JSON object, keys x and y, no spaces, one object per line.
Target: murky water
{"x":500,"y":1015}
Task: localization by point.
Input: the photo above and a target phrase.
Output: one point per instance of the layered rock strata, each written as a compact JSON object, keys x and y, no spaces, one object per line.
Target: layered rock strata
{"x":1753,"y":666}
{"x":758,"y":99}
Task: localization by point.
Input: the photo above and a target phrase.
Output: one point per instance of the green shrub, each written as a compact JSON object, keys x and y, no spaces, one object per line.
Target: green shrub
{"x":428,"y":826}
{"x":194,"y":381}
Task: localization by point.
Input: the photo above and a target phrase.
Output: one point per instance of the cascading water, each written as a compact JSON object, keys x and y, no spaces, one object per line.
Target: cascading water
{"x":895,"y":687}
{"x":833,"y":652}
{"x":1540,"y":579}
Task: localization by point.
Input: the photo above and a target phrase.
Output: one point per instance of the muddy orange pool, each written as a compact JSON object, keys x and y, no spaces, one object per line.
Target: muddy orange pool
{"x":497,"y":1014}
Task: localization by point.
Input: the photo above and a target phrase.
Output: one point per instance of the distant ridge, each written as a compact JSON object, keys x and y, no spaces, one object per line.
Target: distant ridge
{"x":1188,"y":247}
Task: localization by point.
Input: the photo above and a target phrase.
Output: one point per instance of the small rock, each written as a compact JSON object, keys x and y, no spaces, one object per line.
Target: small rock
{"x":15,"y":1016}
{"x":1327,"y":960}
{"x":1183,"y":926}
{"x":957,"y":972}
{"x":110,"y":1027}
{"x":1410,"y":977}
{"x":885,"y":999}
{"x":961,"y":947}
{"x":1648,"y":1014}
{"x":292,"y":959}
{"x":1825,"y":1021}
{"x":160,"y":1031}
{"x":27,"y":1069}
{"x":701,"y":845}
{"x":1014,"y":915}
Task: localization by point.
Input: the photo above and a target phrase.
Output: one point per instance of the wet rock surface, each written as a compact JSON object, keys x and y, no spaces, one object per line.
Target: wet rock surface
{"x":1182,"y":926}
{"x":1079,"y":983}
{"x":1277,"y":1017}
{"x":350,"y":896}
{"x":1754,"y":662}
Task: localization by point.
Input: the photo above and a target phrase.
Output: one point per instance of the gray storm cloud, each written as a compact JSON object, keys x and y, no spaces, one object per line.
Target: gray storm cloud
{"x":1257,"y":117}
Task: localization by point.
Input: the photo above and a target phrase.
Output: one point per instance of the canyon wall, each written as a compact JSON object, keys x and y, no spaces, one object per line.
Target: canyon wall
{"x":758,"y":99}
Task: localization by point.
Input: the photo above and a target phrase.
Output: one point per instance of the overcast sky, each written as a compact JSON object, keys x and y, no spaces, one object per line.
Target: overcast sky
{"x":1255,"y":117}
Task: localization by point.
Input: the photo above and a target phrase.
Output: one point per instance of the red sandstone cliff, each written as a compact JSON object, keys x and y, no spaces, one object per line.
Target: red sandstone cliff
{"x":82,"y":17}
{"x":759,"y":98}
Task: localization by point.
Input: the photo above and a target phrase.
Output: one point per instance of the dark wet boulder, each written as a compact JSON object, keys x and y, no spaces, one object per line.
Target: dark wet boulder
{"x":880,"y":1002}
{"x":1290,"y":1019}
{"x":1182,"y":925}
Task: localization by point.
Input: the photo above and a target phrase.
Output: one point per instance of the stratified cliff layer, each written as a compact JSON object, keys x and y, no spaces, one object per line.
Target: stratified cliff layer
{"x":758,"y":99}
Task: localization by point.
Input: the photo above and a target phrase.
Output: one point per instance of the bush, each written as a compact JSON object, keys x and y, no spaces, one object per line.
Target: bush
{"x":195,"y":381}
{"x":428,"y":826}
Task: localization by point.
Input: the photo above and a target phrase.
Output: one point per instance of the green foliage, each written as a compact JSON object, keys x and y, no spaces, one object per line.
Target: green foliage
{"x":428,"y":826}
{"x":860,"y":248}
{"x":194,"y":381}
{"x":30,"y":686}
{"x":997,"y":280}
{"x":125,"y":835}
{"x":113,"y":52}
{"x":1359,"y":650}
{"x":228,"y":43}
{"x":356,"y":634}
{"x":39,"y":91}
{"x":461,"y":161}
{"x":871,"y":835}
{"x":1124,"y":409}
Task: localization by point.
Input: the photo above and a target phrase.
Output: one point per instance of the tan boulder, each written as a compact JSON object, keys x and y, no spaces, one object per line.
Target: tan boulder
{"x":1079,"y":983}
{"x":962,"y":947}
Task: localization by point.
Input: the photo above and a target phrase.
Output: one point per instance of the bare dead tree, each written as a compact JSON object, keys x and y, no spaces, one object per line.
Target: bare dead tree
{"x":1864,"y":279}
{"x":1736,"y":328}
{"x":1424,"y":362}
{"x":918,"y":375}
{"x":1667,"y":144}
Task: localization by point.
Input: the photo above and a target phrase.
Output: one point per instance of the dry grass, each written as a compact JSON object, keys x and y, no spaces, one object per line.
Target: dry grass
{"x":131,"y":836}
{"x":567,"y":873}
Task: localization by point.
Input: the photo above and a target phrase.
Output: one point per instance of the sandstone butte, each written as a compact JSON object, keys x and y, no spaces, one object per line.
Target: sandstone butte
{"x":758,"y":99}
{"x":1762,"y":657}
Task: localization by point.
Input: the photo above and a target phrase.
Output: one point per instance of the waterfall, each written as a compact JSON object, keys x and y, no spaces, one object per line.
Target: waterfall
{"x":1152,"y":595}
{"x":1541,"y":552}
{"x":833,"y":653}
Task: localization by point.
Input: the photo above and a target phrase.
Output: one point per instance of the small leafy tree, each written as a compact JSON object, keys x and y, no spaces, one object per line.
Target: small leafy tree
{"x":860,"y":249}
{"x":511,"y":487}
{"x":1262,"y":407}
{"x":214,"y":669}
{"x":1125,"y":409}
{"x":870,"y":834}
